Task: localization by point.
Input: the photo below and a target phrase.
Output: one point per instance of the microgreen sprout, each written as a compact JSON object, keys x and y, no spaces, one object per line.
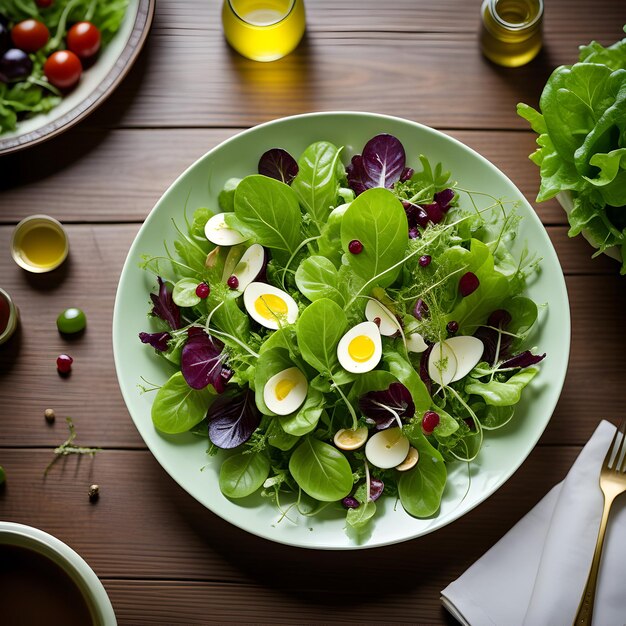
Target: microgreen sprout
{"x":68,"y":447}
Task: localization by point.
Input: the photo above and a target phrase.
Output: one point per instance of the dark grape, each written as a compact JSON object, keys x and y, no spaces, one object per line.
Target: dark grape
{"x":15,"y":65}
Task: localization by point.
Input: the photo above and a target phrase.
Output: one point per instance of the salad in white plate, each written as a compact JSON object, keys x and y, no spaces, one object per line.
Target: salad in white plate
{"x":342,"y":333}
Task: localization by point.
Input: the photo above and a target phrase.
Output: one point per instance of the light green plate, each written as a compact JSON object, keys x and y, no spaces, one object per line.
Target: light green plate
{"x":184,"y":456}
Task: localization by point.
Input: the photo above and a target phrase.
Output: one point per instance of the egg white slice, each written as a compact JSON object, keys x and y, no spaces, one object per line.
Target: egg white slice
{"x":387,"y":325}
{"x":360,"y":349}
{"x":285,"y":392}
{"x":415,"y":343}
{"x":387,"y":448}
{"x":218,"y":232}
{"x":269,"y":306}
{"x":468,"y":351}
{"x":442,"y":363}
{"x":249,"y":266}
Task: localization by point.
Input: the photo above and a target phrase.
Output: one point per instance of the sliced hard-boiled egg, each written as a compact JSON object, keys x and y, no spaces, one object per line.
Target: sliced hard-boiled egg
{"x":442,"y":363}
{"x":250,"y":266}
{"x":454,"y":358}
{"x":269,"y":306}
{"x":350,"y":438}
{"x":382,"y":317}
{"x":469,"y":350}
{"x":411,"y":460}
{"x":387,"y":448}
{"x":218,"y":232}
{"x":285,"y":392}
{"x":360,"y":349}
{"x":415,"y":343}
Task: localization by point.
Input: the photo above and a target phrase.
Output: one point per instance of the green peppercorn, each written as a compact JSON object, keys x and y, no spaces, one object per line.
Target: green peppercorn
{"x":71,"y":320}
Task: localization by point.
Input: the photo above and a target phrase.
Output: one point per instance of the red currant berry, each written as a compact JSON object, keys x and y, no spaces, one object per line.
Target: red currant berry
{"x":64,"y":363}
{"x":468,"y":284}
{"x":233,"y":282}
{"x":452,"y":327}
{"x":425,"y":260}
{"x":430,"y":422}
{"x":203,"y":291}
{"x":355,"y":247}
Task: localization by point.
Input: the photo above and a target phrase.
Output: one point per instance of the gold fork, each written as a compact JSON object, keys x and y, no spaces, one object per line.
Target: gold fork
{"x":612,"y":483}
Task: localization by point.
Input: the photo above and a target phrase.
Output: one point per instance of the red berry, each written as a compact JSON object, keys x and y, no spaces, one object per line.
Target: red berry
{"x":203,"y":290}
{"x":377,"y":321}
{"x":233,"y":282}
{"x":452,"y":327}
{"x":64,"y":363}
{"x":425,"y":260}
{"x":430,"y":422}
{"x":355,"y":247}
{"x":44,"y":4}
{"x":468,"y":284}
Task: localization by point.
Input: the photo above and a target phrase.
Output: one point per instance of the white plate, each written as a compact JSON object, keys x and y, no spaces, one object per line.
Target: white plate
{"x":184,"y":456}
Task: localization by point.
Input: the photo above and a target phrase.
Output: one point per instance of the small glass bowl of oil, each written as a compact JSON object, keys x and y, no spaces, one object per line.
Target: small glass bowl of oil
{"x":511,"y":31}
{"x":9,"y":316}
{"x":39,"y":244}
{"x":263,"y":30}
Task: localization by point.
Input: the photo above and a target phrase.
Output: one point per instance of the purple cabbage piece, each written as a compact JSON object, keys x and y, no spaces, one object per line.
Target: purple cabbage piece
{"x":357,"y":178}
{"x":500,"y":318}
{"x":444,"y":198}
{"x":434,"y":212}
{"x":233,"y":419}
{"x":384,"y":160}
{"x":202,"y":361}
{"x":381,"y":407}
{"x":279,"y":164}
{"x":350,"y":502}
{"x":407,"y":172}
{"x":164,"y":306}
{"x":377,"y":487}
{"x":157,"y":340}
{"x":523,"y":359}
{"x":415,"y":215}
{"x":420,"y":310}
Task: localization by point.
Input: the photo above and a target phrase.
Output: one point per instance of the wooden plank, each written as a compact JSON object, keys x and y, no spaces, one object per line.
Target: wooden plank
{"x":145,"y":526}
{"x":413,"y":75}
{"x":586,"y":19}
{"x":110,"y":176}
{"x":29,"y":382}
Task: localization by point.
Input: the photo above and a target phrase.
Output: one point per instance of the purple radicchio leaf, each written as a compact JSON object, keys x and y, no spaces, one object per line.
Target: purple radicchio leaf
{"x":407,"y":172}
{"x":357,"y":178}
{"x":523,"y":359}
{"x":500,"y":318}
{"x":202,"y":362}
{"x":377,"y":487}
{"x":164,"y":306}
{"x":233,"y":419}
{"x":415,"y":215}
{"x":384,"y":160}
{"x":381,"y":407}
{"x":157,"y":340}
{"x":279,"y":164}
{"x":444,"y":198}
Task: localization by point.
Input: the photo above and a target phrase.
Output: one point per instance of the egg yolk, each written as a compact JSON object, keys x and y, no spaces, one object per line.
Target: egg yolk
{"x":361,"y":348}
{"x":283,"y":387}
{"x":270,"y":306}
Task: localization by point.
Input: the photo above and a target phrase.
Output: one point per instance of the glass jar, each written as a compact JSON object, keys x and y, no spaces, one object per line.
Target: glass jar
{"x":8,"y":316}
{"x":511,"y":31}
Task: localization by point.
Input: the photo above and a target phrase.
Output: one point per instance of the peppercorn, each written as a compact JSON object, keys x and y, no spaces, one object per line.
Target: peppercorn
{"x":49,"y":415}
{"x":93,"y":493}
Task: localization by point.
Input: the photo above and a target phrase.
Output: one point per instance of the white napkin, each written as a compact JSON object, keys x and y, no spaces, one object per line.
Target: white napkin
{"x":535,"y":575}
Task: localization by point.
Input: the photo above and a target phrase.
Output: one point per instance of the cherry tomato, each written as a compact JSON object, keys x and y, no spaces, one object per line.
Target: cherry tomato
{"x":30,"y":35}
{"x":63,"y":69}
{"x":83,"y":39}
{"x":44,"y":4}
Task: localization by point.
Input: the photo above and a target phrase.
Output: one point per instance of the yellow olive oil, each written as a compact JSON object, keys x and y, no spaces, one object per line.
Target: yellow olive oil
{"x":511,"y":31}
{"x":263,"y":30}
{"x":42,"y":246}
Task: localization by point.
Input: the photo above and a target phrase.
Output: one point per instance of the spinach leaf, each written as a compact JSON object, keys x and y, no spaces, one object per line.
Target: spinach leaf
{"x":184,"y":292}
{"x":329,"y":244}
{"x":316,"y":184}
{"x":278,"y":438}
{"x":242,"y":474}
{"x":321,"y":470}
{"x":497,"y":393}
{"x":376,"y":219}
{"x":306,"y":418}
{"x":177,"y":407}
{"x":269,"y":210}
{"x":493,"y":417}
{"x":226,"y":199}
{"x":319,"y":329}
{"x":358,"y":518}
{"x":420,"y":489}
{"x":317,"y":278}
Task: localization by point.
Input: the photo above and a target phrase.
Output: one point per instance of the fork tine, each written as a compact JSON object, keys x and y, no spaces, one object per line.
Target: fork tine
{"x":620,"y":467}
{"x":609,"y":452}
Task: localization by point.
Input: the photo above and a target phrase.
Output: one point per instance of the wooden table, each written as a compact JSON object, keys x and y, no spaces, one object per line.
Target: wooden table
{"x":162,"y":557}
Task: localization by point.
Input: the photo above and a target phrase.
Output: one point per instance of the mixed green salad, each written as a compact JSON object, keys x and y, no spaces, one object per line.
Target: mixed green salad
{"x":342,"y":332}
{"x":45,"y":45}
{"x":582,"y":142}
